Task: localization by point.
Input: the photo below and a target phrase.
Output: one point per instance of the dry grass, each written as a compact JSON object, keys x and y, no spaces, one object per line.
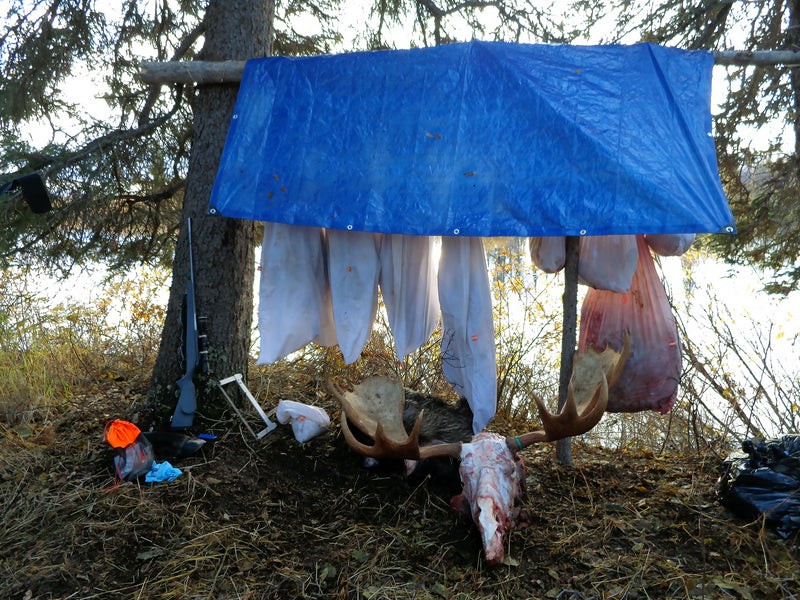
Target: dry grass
{"x":277,"y":519}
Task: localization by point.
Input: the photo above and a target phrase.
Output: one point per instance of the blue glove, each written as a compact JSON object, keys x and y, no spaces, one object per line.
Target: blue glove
{"x":162,"y":472}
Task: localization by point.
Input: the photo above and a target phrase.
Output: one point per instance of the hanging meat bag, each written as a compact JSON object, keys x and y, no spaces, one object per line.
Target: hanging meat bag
{"x":649,"y":380}
{"x":608,"y":262}
{"x":469,"y":361}
{"x":548,"y":253}
{"x":408,"y":286}
{"x":353,"y":269}
{"x":294,"y":299}
{"x":670,"y":244}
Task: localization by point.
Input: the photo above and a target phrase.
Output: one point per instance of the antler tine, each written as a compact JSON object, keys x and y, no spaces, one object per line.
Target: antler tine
{"x":567,"y":423}
{"x":383,"y":446}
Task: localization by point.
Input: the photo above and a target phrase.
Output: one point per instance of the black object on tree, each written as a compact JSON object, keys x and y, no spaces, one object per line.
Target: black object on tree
{"x":33,"y":192}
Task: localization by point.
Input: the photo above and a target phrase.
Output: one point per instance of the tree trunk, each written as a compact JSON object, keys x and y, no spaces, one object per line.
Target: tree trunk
{"x":793,"y":38}
{"x":568,"y":337}
{"x":223,"y":248}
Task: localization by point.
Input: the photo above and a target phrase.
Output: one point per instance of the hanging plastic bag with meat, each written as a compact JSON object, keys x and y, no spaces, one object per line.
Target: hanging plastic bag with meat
{"x":651,"y":375}
{"x":608,"y":262}
{"x":670,"y":244}
{"x":548,"y":253}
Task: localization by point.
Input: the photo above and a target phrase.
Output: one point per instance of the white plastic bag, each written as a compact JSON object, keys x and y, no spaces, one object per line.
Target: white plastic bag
{"x":469,"y":362}
{"x":670,"y":244}
{"x":307,"y":421}
{"x":294,"y":300}
{"x":353,"y":271}
{"x":408,"y":286}
{"x":608,"y":262}
{"x":548,"y":253}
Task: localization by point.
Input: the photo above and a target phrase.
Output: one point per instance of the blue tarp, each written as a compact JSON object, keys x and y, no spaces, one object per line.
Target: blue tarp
{"x":478,"y":138}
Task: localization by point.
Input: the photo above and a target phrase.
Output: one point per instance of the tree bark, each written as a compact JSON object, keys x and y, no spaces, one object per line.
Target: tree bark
{"x":793,"y":37}
{"x":223,"y":248}
{"x":568,"y":337}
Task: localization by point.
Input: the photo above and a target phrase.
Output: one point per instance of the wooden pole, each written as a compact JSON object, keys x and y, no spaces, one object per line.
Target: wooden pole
{"x":568,"y":336}
{"x":196,"y":71}
{"x":757,"y":58}
{"x":230,"y":71}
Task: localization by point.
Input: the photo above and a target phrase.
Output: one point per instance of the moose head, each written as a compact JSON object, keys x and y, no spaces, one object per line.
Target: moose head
{"x":490,"y":467}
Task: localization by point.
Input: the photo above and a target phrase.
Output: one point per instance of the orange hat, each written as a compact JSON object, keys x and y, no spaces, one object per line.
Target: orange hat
{"x":121,"y":433}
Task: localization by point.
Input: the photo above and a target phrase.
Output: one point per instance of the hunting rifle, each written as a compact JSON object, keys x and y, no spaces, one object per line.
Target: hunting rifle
{"x":195,"y":351}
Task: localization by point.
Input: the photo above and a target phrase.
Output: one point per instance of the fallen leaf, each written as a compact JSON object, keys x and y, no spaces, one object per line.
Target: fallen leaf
{"x":510,"y":562}
{"x":328,"y":570}
{"x":360,"y":555}
{"x":148,"y":554}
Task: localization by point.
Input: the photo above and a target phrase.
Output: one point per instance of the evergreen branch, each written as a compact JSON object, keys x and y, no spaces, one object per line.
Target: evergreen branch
{"x":433,"y":10}
{"x":717,"y":24}
{"x":156,"y":197}
{"x":180,"y":51}
{"x":110,"y":139}
{"x":500,"y":6}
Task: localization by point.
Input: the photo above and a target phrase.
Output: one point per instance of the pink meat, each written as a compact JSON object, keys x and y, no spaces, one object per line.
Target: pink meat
{"x":649,"y":379}
{"x":491,"y":478}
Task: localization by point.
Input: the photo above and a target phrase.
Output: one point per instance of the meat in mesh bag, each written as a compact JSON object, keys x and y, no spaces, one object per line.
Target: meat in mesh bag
{"x":649,"y":380}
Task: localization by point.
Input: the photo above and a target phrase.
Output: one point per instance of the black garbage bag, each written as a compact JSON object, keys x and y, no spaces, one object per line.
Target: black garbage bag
{"x":765,"y":480}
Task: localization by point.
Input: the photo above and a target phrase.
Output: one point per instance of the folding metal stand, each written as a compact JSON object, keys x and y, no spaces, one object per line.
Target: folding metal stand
{"x":264,"y":416}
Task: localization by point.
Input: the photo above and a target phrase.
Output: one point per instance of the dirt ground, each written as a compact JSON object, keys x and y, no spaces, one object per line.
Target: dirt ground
{"x":279,"y":519}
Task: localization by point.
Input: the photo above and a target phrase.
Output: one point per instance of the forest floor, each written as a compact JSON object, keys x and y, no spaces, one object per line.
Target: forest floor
{"x":274,"y":518}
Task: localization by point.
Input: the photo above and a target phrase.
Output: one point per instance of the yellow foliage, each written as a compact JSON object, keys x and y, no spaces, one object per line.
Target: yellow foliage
{"x":49,"y":350}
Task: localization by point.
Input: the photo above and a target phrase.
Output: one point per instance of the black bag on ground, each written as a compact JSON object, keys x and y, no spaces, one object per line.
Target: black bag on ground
{"x":765,"y":480}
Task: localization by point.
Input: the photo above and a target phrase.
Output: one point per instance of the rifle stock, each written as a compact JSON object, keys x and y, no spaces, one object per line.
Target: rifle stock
{"x":187,"y":402}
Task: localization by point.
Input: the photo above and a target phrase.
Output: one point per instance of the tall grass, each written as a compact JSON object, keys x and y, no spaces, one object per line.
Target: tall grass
{"x":53,"y":352}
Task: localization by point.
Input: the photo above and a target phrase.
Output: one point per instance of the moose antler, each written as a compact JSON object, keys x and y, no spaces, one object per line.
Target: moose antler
{"x":593,"y":373}
{"x":376,"y":406}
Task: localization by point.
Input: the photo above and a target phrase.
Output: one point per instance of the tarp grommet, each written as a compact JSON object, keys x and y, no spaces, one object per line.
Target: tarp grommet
{"x":456,"y":231}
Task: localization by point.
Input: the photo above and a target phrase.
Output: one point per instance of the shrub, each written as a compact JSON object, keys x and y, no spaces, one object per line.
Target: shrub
{"x":50,"y":350}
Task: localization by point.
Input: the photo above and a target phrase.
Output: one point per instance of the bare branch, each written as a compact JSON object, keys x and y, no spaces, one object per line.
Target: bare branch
{"x":230,"y":71}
